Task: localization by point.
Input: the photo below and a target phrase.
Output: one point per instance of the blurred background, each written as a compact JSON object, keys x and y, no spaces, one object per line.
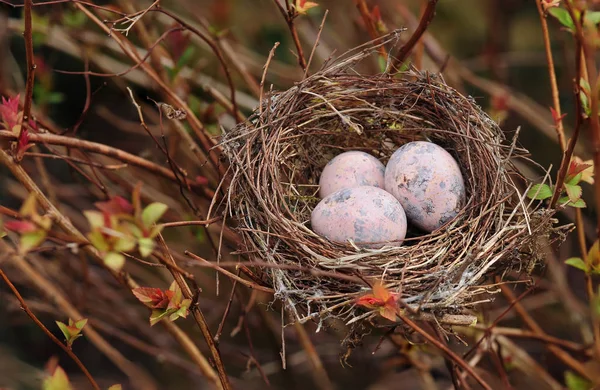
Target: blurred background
{"x":492,"y":50}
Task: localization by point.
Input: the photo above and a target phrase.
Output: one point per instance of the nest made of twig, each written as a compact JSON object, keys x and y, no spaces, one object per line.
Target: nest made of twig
{"x":276,"y":159}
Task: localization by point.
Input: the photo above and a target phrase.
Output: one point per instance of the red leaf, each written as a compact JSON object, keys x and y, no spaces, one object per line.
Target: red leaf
{"x":20,"y":226}
{"x":11,"y":105}
{"x":381,"y":299}
{"x":9,"y":112}
{"x":376,"y":14}
{"x":500,"y":101}
{"x":23,"y":141}
{"x":201,"y":180}
{"x":178,"y":41}
{"x":555,"y":117}
{"x":154,"y":298}
{"x":576,"y":168}
{"x":116,"y":205}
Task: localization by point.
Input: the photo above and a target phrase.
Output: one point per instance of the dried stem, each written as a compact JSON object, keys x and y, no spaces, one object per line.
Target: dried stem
{"x":28,"y":35}
{"x":560,"y":131}
{"x":426,"y":18}
{"x":289,"y":15}
{"x":320,"y":375}
{"x":51,"y":139}
{"x":454,"y":357}
{"x":199,"y":317}
{"x":56,"y":341}
{"x":556,"y":351}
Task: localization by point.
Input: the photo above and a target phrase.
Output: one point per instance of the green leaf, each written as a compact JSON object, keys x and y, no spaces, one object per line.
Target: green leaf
{"x":116,"y":387}
{"x":578,"y":263}
{"x":574,"y":180}
{"x":540,"y":192}
{"x":81,"y":323}
{"x":563,"y":17}
{"x":573,"y":191}
{"x":152,"y":213}
{"x":31,"y":240}
{"x":592,"y":17}
{"x":575,"y":382}
{"x":98,"y":241}
{"x":55,"y":97}
{"x":95,"y":218}
{"x":64,"y":329}
{"x":124,"y":244}
{"x":73,"y":19}
{"x":146,"y":246}
{"x":58,"y":381}
{"x":578,"y":204}
{"x":382,"y":62}
{"x":158,"y":315}
{"x":114,"y":261}
{"x":186,"y":57}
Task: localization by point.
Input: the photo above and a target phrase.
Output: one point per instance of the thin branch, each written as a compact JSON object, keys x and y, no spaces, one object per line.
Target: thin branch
{"x":560,"y":131}
{"x":56,"y":341}
{"x":289,"y":15}
{"x":106,"y":150}
{"x":28,"y":35}
{"x":198,"y":316}
{"x":414,"y":39}
{"x":455,"y":358}
{"x":531,"y":324}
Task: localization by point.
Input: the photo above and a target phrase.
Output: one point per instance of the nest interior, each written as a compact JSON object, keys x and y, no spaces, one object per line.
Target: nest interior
{"x":276,"y":159}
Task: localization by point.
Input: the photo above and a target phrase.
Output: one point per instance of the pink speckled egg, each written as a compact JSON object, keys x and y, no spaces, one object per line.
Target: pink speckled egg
{"x":369,"y":216}
{"x":427,"y":181}
{"x":351,"y":169}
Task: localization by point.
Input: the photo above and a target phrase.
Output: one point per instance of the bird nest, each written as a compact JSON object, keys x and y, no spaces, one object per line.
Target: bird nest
{"x":277,"y":156}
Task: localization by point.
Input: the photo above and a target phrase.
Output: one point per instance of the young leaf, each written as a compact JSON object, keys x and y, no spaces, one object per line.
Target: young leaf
{"x":303,"y":5}
{"x":382,"y":300}
{"x":114,"y":260}
{"x":80,"y":324}
{"x":158,"y":315}
{"x":57,"y":381}
{"x":573,"y":191}
{"x":562,"y":15}
{"x":146,"y":246}
{"x":152,"y":213}
{"x":578,"y":263}
{"x":30,"y":241}
{"x":116,"y":387}
{"x":540,"y":192}
{"x":575,"y":382}
{"x":579,"y":204}
{"x":592,"y":17}
{"x":64,"y":328}
{"x":154,"y":298}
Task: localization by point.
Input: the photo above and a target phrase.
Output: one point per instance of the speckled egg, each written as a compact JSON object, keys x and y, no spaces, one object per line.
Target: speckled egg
{"x":369,"y":216}
{"x":351,"y":169}
{"x":427,"y":181}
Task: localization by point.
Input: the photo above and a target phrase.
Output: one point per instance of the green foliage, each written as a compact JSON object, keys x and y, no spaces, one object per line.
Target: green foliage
{"x":571,"y":193}
{"x":540,"y":192}
{"x":72,"y":331}
{"x":563,"y":17}
{"x":575,"y":382}
{"x":168,"y":304}
{"x":120,"y":226}
{"x":34,"y":227}
{"x":57,"y":381}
